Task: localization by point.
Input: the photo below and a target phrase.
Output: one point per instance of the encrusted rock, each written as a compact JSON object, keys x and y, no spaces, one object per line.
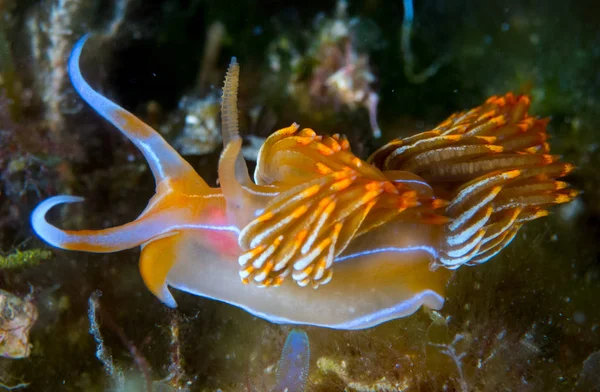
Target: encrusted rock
{"x":17,"y":316}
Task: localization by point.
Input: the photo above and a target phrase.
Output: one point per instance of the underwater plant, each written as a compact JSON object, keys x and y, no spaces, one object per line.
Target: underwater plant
{"x":384,"y":226}
{"x":24,"y":258}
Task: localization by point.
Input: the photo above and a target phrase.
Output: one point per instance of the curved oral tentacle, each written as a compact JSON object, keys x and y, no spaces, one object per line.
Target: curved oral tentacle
{"x":173,"y":175}
{"x":164,"y":161}
{"x":108,"y":240}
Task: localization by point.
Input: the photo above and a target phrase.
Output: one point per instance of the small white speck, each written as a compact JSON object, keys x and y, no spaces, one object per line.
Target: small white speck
{"x":192,"y":120}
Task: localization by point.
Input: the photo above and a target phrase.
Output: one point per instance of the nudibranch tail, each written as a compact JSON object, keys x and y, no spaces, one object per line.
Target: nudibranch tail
{"x":493,"y":164}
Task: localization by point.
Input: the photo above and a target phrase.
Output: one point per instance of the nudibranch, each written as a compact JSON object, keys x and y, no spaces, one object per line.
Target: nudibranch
{"x":271,"y":246}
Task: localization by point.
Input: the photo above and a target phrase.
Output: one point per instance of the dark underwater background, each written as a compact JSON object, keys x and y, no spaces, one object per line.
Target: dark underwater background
{"x":528,"y":320}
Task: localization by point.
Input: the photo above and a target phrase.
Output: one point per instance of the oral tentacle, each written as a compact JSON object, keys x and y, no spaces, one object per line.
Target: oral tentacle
{"x":109,"y":240}
{"x":163,"y":160}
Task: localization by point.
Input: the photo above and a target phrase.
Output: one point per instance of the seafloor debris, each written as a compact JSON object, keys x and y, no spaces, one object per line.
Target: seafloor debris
{"x":589,"y":379}
{"x":333,"y":72}
{"x":102,"y":352}
{"x":197,"y":125}
{"x":340,"y":369}
{"x":140,"y":380}
{"x":17,"y":316}
{"x":176,"y":378}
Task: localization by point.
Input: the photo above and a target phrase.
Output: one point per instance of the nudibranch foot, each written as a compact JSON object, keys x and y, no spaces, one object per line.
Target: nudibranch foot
{"x":374,"y":282}
{"x":493,"y":164}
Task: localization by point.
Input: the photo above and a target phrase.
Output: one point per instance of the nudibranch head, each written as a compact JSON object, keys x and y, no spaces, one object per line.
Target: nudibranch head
{"x":493,"y":164}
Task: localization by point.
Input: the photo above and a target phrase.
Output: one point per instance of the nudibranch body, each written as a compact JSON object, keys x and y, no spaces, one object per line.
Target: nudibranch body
{"x":313,"y":208}
{"x":313,"y":204}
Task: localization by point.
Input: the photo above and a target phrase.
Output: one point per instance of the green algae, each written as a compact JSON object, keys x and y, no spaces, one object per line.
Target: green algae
{"x":20,"y":259}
